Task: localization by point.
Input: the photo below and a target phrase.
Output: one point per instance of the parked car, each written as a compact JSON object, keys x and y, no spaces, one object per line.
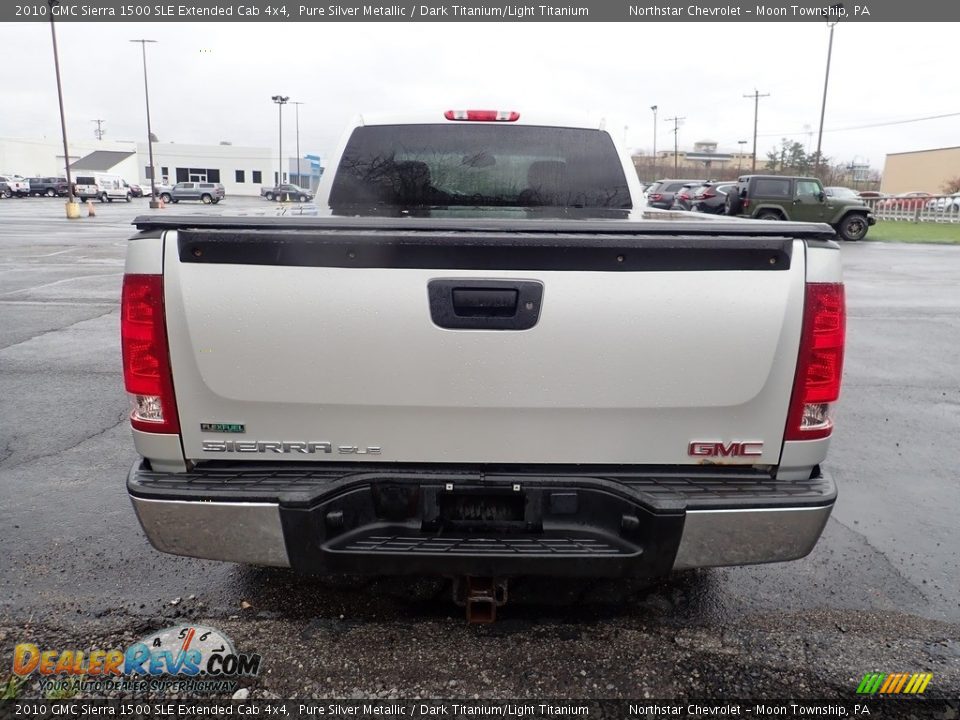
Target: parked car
{"x":11,"y":185}
{"x":660,"y":194}
{"x":683,"y":198}
{"x":206,"y":193}
{"x":905,"y":201}
{"x":841,"y":193}
{"x":779,"y":197}
{"x":135,"y":190}
{"x":944,"y":203}
{"x":871,"y":194}
{"x":49,"y":186}
{"x":288,"y":191}
{"x":711,"y":197}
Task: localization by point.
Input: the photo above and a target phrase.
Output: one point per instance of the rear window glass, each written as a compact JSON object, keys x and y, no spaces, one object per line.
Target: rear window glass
{"x":479,"y":165}
{"x":772,"y":188}
{"x":85,"y":180}
{"x":671,"y":187}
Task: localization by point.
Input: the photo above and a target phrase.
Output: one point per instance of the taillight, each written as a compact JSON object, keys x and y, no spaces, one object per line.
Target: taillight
{"x":746,"y":203}
{"x":819,"y":364}
{"x":656,"y":196}
{"x":146,"y":359}
{"x":706,"y":195}
{"x":683,"y":196}
{"x":485,"y":115}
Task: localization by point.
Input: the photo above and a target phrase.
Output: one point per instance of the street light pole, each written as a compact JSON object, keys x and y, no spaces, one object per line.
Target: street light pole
{"x":72,"y":210}
{"x":299,"y":177}
{"x":823,"y":106}
{"x":280,"y":100}
{"x":756,"y":112}
{"x":154,"y":203}
{"x":654,"y":108}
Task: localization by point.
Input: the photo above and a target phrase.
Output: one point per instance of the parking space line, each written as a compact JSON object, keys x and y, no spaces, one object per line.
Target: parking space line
{"x":59,"y":282}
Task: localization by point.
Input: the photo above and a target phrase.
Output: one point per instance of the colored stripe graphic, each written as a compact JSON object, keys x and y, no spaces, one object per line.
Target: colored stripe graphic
{"x":867,"y":684}
{"x":894,"y":684}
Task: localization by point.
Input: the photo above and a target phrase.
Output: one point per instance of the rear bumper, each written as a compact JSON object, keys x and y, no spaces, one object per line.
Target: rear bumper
{"x":461,"y":522}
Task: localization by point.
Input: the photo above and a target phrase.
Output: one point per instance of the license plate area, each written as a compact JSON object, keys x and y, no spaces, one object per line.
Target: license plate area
{"x":481,"y":510}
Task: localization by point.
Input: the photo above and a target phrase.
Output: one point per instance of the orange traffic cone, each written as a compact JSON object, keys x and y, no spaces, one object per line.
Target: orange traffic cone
{"x":90,"y":211}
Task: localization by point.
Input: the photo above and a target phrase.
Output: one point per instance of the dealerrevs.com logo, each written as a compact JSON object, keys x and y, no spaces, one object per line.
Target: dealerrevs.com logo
{"x":186,"y":658}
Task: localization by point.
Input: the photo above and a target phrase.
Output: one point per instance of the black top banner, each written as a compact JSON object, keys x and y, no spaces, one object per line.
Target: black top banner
{"x":479,"y":11}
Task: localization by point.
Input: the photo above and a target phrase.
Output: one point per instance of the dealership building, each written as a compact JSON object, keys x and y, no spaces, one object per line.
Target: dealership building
{"x":240,"y":169}
{"x":923,"y":170}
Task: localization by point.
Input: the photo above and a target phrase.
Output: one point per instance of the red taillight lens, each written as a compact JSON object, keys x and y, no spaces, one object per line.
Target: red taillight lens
{"x":746,"y":203}
{"x":820,"y":363}
{"x":656,"y":196}
{"x":146,"y":360}
{"x":683,"y":196}
{"x":483,"y":115}
{"x":707,"y":194}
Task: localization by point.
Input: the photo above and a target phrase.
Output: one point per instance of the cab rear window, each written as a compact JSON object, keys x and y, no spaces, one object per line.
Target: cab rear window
{"x":479,"y":165}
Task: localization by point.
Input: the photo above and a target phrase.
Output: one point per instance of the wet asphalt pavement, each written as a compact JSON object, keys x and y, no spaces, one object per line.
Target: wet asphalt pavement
{"x":881,"y":591}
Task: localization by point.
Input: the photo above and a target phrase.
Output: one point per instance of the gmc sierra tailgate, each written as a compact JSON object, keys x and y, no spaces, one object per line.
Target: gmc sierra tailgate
{"x":514,"y":341}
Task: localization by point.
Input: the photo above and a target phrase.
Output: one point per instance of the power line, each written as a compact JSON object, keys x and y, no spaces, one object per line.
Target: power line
{"x":870,"y":125}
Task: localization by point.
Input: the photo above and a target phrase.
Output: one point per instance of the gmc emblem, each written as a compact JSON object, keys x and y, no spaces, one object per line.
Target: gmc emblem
{"x":699,"y":448}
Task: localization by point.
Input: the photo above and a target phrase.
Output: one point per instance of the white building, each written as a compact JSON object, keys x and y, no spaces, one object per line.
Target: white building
{"x":241,"y":170}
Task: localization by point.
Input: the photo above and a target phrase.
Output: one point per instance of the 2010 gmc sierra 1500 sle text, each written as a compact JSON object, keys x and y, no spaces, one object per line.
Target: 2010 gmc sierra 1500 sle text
{"x":476,"y":359}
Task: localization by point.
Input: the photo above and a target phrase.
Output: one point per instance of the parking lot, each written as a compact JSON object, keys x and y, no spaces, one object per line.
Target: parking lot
{"x":881,"y":591}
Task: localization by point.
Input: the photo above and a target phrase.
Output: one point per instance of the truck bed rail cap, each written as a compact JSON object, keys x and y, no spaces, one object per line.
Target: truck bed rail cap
{"x":672,"y":227}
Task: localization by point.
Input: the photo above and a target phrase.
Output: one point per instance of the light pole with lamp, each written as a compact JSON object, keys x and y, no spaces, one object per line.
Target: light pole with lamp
{"x":823,"y":106}
{"x":299,"y":177}
{"x":154,"y":202}
{"x":73,"y":210}
{"x":280,"y":100}
{"x":741,"y":143}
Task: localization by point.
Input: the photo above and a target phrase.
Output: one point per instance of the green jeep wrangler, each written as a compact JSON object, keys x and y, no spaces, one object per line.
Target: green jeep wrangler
{"x":776,"y":197}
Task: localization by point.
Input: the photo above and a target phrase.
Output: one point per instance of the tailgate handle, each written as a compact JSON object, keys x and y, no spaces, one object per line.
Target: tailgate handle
{"x":485,"y":302}
{"x":460,"y":304}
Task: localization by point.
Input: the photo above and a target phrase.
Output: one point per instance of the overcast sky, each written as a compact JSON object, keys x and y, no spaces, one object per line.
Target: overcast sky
{"x":213,"y":81}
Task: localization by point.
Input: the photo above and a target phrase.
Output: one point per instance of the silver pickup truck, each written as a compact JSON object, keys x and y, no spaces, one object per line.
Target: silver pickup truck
{"x":482,"y":359}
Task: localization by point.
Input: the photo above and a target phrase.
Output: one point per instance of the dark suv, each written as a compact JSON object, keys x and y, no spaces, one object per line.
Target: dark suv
{"x":661,"y":193}
{"x":49,"y":186}
{"x":776,"y":197}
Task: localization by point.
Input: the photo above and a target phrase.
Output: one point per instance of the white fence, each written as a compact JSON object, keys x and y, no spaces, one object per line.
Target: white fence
{"x":934,"y":208}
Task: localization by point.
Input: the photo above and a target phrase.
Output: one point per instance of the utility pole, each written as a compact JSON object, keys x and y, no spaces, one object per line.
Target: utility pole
{"x":654,"y":108}
{"x":73,"y":210}
{"x":99,"y":132}
{"x":676,"y":135}
{"x":154,"y":202}
{"x":823,"y":107}
{"x":756,"y":111}
{"x":299,"y":177}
